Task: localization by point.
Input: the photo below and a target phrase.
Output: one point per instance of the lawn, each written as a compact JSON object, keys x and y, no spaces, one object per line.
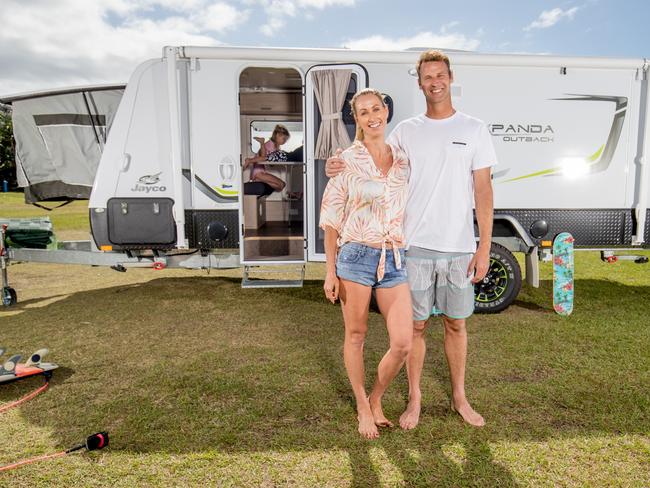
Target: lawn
{"x":200,"y":382}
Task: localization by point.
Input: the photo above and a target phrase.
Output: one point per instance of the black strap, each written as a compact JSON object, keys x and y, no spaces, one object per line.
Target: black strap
{"x":53,"y":208}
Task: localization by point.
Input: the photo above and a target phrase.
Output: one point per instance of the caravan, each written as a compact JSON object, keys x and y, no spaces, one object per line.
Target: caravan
{"x":171,"y":188}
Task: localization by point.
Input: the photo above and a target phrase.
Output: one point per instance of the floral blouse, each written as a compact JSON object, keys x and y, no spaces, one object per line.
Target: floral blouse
{"x":365,"y":206}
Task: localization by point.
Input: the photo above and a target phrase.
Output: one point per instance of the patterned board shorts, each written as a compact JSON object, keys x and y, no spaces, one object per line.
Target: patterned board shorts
{"x":439,"y":283}
{"x":278,"y":156}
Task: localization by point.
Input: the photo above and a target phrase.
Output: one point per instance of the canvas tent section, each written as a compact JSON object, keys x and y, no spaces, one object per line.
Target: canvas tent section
{"x":60,"y":136}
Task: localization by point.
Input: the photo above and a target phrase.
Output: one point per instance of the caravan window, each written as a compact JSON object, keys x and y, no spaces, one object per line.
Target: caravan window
{"x":264,"y":128}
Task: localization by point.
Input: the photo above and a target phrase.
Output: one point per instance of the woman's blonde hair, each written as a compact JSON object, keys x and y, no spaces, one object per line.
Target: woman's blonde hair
{"x":279,"y":129}
{"x":366,"y":91}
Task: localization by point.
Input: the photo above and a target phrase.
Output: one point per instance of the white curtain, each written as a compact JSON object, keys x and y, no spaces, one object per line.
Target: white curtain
{"x":330,"y":88}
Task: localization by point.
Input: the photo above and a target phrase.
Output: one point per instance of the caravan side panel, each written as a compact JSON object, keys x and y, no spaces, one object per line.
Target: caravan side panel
{"x":136,"y":161}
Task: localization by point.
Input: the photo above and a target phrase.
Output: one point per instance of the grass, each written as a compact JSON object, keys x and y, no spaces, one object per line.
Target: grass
{"x":70,"y":222}
{"x":201,"y":383}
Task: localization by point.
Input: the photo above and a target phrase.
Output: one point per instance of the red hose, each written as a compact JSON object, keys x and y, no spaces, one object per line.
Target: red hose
{"x":27,"y":397}
{"x":32,"y":460}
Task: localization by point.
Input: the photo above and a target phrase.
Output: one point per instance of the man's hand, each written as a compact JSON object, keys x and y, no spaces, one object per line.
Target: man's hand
{"x":479,"y":265}
{"x":334,"y":165}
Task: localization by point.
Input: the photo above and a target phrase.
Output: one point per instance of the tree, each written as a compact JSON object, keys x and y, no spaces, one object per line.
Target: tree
{"x":7,"y":148}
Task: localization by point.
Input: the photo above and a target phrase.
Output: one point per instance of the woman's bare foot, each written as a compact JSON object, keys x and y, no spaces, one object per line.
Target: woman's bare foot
{"x":259,"y":139}
{"x":411,"y":416}
{"x":367,"y":427}
{"x":378,"y":412}
{"x":469,"y":415}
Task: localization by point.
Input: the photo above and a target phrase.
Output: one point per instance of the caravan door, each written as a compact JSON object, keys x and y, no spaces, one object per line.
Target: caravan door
{"x":315,"y":166}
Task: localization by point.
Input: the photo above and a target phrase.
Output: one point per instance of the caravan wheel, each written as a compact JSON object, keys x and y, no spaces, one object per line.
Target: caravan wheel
{"x":9,"y":296}
{"x":502,"y":283}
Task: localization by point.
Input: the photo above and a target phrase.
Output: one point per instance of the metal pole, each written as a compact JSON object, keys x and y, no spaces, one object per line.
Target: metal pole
{"x":644,"y":174}
{"x":171,"y":54}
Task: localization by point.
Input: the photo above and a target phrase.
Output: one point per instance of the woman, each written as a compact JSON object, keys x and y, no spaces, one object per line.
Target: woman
{"x":269,"y":151}
{"x":362,"y":213}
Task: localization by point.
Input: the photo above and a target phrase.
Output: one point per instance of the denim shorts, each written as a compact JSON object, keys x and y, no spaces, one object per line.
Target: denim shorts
{"x":358,"y":262}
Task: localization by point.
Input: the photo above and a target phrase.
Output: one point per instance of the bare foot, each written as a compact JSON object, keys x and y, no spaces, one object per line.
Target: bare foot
{"x":378,"y":412}
{"x":259,"y":139}
{"x":411,"y":416}
{"x":367,"y":427}
{"x":469,"y":415}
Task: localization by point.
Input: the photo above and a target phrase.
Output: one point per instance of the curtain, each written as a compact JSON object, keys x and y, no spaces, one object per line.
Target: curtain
{"x":330,"y":88}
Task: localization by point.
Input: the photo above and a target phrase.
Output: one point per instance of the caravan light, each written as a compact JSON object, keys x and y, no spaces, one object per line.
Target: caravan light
{"x":105,"y":248}
{"x":574,"y":167}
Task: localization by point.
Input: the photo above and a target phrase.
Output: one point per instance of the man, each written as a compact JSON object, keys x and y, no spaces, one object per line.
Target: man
{"x":451,"y":155}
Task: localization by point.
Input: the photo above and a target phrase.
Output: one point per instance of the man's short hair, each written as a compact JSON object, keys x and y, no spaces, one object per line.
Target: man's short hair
{"x":432,"y":55}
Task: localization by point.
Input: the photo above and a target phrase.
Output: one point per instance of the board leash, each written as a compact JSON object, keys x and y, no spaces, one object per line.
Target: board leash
{"x":92,"y":443}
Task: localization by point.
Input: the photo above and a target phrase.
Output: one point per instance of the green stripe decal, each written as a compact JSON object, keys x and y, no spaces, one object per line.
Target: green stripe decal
{"x":592,"y":159}
{"x":225,"y":193}
{"x":596,"y":155}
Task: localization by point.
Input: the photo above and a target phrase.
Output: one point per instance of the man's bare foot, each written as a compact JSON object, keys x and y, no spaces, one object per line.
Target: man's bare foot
{"x":367,"y":427}
{"x":469,"y":415}
{"x":378,"y":412}
{"x":411,"y":416}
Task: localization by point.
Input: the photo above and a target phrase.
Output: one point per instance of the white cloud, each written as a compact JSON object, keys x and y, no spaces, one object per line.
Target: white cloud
{"x":321,"y":4}
{"x":549,"y":18}
{"x":45,"y":44}
{"x":443,"y":40}
{"x":278,"y":11}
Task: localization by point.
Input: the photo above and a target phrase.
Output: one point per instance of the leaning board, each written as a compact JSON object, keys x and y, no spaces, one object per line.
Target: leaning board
{"x":563,"y":289}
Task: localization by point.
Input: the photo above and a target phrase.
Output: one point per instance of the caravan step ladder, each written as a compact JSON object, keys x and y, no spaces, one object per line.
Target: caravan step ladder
{"x":273,"y":276}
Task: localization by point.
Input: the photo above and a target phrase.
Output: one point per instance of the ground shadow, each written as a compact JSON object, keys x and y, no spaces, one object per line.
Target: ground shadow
{"x":191,"y":364}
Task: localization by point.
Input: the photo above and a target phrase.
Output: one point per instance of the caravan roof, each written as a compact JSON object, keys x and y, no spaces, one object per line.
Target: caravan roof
{"x":8,"y":99}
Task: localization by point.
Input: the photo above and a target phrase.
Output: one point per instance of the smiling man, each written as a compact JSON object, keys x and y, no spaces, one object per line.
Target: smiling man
{"x":451,"y":155}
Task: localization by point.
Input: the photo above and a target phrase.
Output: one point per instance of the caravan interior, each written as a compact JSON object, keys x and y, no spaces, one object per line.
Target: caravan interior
{"x":272,"y":220}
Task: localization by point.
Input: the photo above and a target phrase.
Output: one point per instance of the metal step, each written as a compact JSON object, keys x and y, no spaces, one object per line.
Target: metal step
{"x":266,"y":276}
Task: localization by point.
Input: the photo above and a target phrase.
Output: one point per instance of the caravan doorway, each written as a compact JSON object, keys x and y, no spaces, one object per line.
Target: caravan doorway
{"x":272,"y":208}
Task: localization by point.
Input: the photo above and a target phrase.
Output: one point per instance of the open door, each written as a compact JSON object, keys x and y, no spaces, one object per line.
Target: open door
{"x":328,"y":125}
{"x":273,"y":177}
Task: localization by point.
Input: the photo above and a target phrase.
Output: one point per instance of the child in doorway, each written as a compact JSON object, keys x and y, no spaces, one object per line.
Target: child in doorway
{"x":269,"y":151}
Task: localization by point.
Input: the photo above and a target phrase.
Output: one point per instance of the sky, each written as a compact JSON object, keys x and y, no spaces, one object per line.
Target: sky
{"x":56,"y":43}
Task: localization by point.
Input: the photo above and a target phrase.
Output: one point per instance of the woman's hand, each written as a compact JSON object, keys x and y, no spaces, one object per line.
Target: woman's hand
{"x":331,"y":287}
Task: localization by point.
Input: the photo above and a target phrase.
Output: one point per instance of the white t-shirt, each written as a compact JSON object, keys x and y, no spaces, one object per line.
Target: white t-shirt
{"x":443,"y":153}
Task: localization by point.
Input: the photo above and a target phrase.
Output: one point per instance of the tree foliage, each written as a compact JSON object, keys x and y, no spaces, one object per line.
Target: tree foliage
{"x":7,"y":158}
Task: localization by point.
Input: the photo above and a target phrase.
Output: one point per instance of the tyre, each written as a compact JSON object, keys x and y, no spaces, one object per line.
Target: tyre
{"x":9,"y":296}
{"x":502,"y":283}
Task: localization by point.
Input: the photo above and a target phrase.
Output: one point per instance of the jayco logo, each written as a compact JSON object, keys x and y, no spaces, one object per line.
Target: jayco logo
{"x":147,"y":184}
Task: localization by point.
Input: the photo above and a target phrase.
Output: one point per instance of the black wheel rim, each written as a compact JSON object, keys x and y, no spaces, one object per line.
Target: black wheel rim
{"x":494,"y":285}
{"x":6,"y":297}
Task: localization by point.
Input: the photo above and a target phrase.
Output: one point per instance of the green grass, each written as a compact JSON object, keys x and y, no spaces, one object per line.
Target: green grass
{"x":70,"y":222}
{"x":202,"y":383}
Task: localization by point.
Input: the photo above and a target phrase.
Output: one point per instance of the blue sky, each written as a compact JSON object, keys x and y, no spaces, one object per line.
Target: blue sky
{"x":52,"y":43}
{"x":596,"y":28}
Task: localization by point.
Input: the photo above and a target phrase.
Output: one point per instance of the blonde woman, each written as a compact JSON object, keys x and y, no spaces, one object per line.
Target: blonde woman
{"x":362,"y":212}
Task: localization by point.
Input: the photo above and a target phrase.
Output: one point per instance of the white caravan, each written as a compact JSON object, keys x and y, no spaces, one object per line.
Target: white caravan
{"x":570,"y":135}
